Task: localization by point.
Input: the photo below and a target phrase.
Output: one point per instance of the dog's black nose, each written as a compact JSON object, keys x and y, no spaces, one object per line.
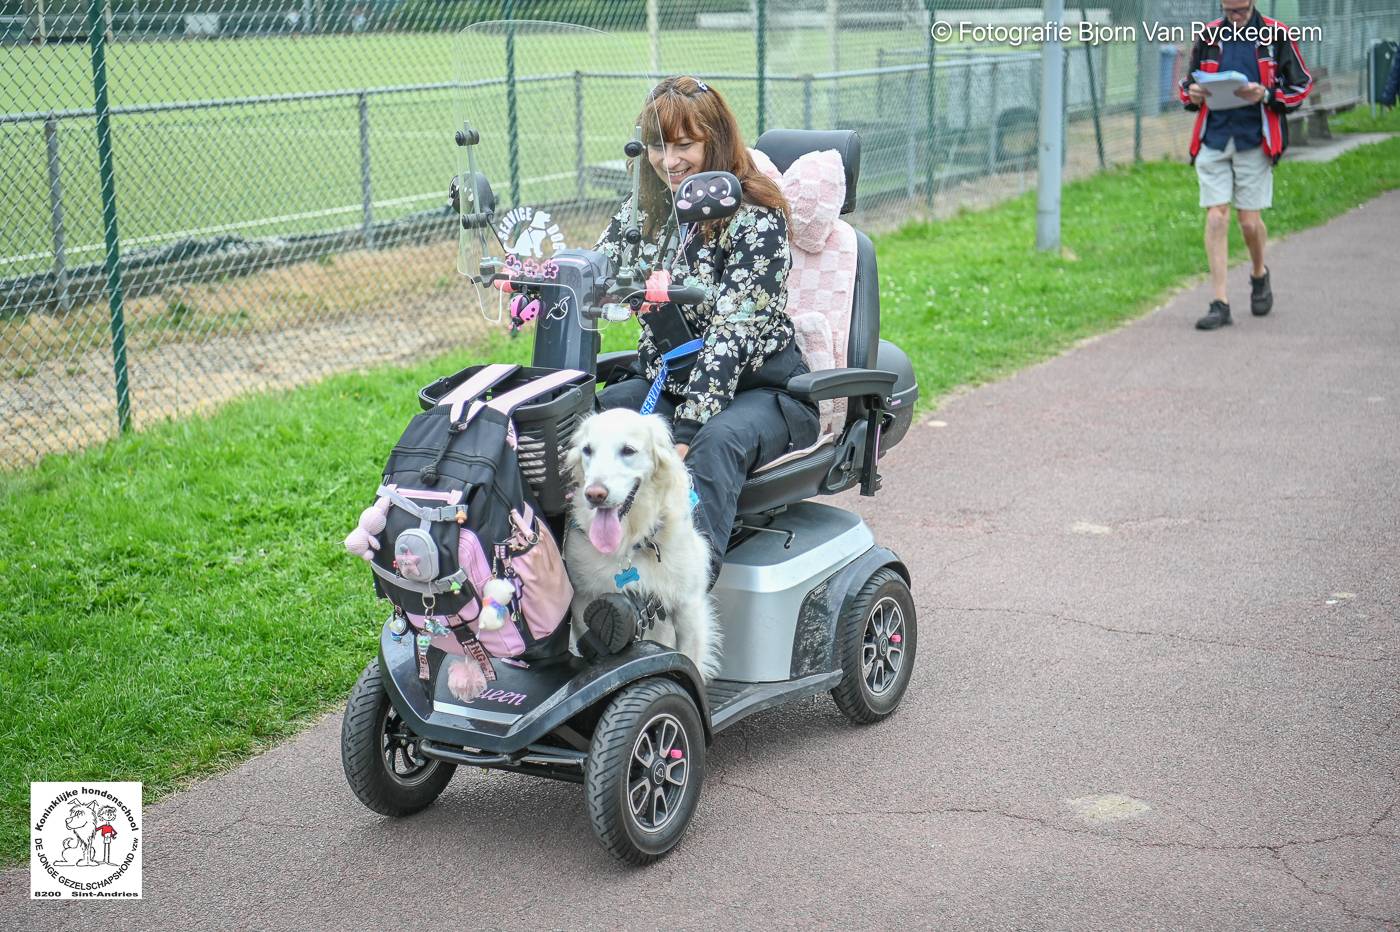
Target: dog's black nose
{"x":596,"y":494}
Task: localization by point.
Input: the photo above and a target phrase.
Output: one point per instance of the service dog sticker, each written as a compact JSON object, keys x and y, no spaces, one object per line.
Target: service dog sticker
{"x":530,"y":233}
{"x":84,"y":841}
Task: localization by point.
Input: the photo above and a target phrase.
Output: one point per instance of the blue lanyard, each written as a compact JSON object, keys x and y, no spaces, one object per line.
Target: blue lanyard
{"x":654,"y":393}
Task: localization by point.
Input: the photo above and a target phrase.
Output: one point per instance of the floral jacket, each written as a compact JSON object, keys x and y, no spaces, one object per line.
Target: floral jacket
{"x":743,"y":320}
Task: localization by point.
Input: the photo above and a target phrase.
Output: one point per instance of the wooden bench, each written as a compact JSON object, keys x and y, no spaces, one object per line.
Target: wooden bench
{"x":1309,"y":122}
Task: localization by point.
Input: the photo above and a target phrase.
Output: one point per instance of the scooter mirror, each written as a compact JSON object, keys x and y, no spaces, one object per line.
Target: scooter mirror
{"x":708,"y":196}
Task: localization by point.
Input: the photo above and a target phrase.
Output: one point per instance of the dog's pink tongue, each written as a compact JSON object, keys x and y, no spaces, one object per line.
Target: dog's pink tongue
{"x":606,"y":530}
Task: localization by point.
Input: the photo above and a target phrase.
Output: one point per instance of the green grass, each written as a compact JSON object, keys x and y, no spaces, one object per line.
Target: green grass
{"x":1359,"y":120}
{"x":179,"y":599}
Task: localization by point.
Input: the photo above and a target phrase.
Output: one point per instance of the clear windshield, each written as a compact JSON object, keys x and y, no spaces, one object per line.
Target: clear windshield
{"x":548,"y":112}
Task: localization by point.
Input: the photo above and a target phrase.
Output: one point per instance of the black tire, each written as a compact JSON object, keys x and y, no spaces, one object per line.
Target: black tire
{"x":876,"y":639}
{"x":657,"y":716}
{"x":379,"y":753}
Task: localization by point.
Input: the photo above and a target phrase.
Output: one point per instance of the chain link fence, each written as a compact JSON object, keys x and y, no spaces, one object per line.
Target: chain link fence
{"x":201,"y":201}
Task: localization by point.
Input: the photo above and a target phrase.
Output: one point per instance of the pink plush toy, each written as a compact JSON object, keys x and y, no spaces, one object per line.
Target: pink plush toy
{"x":363,"y":541}
{"x":465,"y":680}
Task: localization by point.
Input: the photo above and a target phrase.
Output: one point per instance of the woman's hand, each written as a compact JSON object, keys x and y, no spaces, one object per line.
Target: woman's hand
{"x":1196,"y":94}
{"x":682,"y":449}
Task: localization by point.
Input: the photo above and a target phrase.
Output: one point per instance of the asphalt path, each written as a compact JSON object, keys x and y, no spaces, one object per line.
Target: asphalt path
{"x":1158,"y":583}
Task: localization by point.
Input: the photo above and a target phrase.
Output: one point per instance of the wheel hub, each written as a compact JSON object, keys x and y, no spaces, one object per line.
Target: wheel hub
{"x":883,"y":646}
{"x":399,"y":751}
{"x":659,"y":773}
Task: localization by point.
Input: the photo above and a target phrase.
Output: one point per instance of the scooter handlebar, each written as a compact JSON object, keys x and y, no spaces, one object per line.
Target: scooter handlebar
{"x":685,"y":295}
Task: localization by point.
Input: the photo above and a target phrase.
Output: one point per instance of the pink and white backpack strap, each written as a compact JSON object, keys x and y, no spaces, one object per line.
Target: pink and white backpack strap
{"x":508,"y":402}
{"x":475,"y":386}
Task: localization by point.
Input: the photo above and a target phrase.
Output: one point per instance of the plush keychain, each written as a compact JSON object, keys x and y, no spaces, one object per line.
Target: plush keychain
{"x":363,"y":541}
{"x":523,"y":309}
{"x":465,"y":680}
{"x":496,"y":597}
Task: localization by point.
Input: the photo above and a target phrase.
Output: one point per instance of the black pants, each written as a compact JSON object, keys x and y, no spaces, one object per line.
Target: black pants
{"x":759,"y":425}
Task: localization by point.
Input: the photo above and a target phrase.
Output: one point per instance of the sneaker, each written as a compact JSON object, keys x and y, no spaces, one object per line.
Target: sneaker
{"x":1261,"y":295}
{"x":612,"y":620}
{"x":1217,"y":316}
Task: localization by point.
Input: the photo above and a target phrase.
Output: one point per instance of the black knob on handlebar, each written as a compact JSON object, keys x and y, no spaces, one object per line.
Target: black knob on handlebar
{"x":632,"y":149}
{"x":633,"y":237}
{"x":466,"y":137}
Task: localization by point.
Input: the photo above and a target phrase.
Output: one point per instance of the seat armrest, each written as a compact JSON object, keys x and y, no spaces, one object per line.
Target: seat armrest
{"x":612,"y":366}
{"x":841,"y":383}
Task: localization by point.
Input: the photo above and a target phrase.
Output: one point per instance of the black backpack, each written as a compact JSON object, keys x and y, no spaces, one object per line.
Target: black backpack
{"x":454,"y":514}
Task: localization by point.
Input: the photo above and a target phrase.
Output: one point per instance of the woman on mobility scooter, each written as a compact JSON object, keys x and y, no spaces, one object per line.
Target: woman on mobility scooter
{"x":808,"y":601}
{"x":725,"y":399}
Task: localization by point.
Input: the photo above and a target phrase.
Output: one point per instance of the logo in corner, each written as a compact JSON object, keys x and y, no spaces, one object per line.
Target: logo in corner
{"x":85,"y":841}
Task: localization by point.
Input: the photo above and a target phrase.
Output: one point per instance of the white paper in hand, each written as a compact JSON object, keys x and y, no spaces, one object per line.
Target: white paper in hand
{"x":1219,"y":88}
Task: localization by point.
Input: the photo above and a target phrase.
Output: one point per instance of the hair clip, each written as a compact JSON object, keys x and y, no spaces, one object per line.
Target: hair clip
{"x":702,"y":85}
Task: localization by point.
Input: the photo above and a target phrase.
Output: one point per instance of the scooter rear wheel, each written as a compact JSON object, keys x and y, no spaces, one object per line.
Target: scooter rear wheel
{"x":380,"y":755}
{"x":644,"y":772}
{"x":877,"y":636}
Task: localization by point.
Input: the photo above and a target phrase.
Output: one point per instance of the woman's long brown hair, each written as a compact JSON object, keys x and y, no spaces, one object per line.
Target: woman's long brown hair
{"x":683,"y":108}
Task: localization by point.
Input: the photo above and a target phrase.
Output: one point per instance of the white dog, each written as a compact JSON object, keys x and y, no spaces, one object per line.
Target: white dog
{"x":632,"y":512}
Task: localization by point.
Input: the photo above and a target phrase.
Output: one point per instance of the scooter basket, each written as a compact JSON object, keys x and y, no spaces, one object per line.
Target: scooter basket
{"x":543,"y":429}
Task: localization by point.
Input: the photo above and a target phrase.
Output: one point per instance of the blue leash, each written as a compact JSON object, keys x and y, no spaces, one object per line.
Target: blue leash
{"x":654,"y":393}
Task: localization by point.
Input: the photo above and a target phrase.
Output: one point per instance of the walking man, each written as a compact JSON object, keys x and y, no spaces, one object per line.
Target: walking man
{"x":1235,"y":150}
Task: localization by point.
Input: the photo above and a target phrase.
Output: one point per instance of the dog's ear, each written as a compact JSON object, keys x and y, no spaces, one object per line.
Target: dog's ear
{"x":671,"y":475}
{"x":573,"y":459}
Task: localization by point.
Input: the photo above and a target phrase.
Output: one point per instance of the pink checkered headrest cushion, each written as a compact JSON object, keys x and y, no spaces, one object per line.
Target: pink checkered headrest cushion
{"x":821,"y":284}
{"x":815,"y":186}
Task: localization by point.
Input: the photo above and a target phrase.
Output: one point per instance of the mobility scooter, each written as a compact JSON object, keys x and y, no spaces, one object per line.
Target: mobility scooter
{"x":807,"y":601}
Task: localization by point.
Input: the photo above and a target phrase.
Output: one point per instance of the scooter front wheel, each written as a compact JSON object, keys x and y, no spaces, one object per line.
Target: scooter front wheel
{"x":380,"y":755}
{"x":644,"y":771}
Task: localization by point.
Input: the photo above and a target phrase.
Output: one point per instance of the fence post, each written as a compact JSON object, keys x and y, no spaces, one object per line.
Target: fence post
{"x":366,"y":184}
{"x":1139,"y":43}
{"x":931,"y":105}
{"x":97,"y":40}
{"x":879,"y":82}
{"x":512,"y":114}
{"x":806,"y":101}
{"x":992,"y":126}
{"x":654,"y":35}
{"x":60,"y":258}
{"x":833,"y":43}
{"x":911,"y":139}
{"x":1065,"y":87}
{"x":1052,"y":108}
{"x":967,"y":64}
{"x":579,"y":155}
{"x":761,"y":28}
{"x":1093,"y":87}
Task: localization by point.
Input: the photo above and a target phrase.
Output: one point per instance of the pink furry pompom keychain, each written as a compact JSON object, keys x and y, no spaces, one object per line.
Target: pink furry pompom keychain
{"x":465,"y":680}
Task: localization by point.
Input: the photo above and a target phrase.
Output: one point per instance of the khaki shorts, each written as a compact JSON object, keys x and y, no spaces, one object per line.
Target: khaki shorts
{"x":1245,"y":179}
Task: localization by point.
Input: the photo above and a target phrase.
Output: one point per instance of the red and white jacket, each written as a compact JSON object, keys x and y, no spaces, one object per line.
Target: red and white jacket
{"x":1281,"y":71}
